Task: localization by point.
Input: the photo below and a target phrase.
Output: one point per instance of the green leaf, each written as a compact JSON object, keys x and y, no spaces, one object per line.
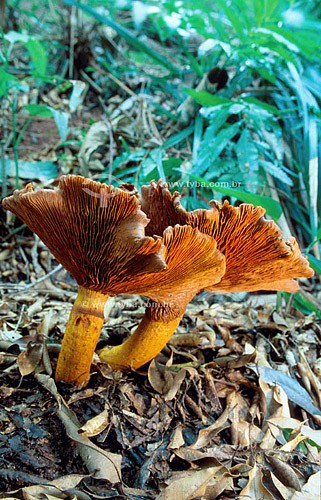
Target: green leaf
{"x":302,"y":303}
{"x":206,"y":99}
{"x":38,"y":56}
{"x":314,"y":263}
{"x":38,"y":110}
{"x":211,"y":149}
{"x":276,"y":171}
{"x":232,"y":16}
{"x":5,"y":78}
{"x":264,"y":105}
{"x":32,"y":169}
{"x":266,"y":75}
{"x":258,"y":11}
{"x":272,"y":207}
{"x":247,"y":153}
{"x":131,"y":39}
{"x":177,"y":138}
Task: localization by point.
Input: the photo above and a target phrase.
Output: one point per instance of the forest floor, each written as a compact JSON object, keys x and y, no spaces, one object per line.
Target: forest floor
{"x":231,"y":408}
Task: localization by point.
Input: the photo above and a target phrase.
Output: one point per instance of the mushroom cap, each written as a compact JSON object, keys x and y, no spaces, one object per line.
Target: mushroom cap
{"x":192,"y":263}
{"x":257,"y":257}
{"x":96,"y":231}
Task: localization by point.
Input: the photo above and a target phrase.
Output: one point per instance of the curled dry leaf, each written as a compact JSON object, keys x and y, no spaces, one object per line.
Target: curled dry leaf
{"x":95,"y":425}
{"x":177,"y":440}
{"x":284,"y":472}
{"x":207,"y":434}
{"x":255,"y":487}
{"x":28,"y":360}
{"x":189,"y":485}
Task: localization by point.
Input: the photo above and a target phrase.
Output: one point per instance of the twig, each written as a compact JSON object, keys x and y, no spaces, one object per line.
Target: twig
{"x":24,"y":257}
{"x":20,"y":318}
{"x":30,"y":285}
{"x":91,"y":82}
{"x":34,"y":256}
{"x":115,"y":79}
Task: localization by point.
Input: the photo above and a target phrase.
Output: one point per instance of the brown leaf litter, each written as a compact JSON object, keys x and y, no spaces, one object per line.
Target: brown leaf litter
{"x":229,"y":409}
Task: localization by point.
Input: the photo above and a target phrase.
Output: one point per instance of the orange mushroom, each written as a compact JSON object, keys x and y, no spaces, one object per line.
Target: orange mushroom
{"x":248,"y":254}
{"x":192,"y":263}
{"x":97,"y":233}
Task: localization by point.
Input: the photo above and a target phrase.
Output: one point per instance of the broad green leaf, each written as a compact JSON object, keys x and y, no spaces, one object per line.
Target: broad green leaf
{"x":260,"y":104}
{"x":38,"y":110}
{"x":32,"y":169}
{"x":272,"y":207}
{"x":266,"y":74}
{"x":5,"y":81}
{"x":177,"y":138}
{"x":205,"y":98}
{"x":38,"y":56}
{"x":302,"y":303}
{"x":314,"y":263}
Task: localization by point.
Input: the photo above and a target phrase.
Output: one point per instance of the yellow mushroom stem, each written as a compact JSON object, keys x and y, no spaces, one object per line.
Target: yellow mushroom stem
{"x":81,"y":336}
{"x":144,"y":344}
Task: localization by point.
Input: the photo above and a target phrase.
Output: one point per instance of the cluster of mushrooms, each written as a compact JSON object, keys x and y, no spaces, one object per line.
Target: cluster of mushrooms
{"x":113,"y":241}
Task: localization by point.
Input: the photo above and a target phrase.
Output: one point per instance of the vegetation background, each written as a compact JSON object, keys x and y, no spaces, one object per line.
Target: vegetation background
{"x":219,"y":98}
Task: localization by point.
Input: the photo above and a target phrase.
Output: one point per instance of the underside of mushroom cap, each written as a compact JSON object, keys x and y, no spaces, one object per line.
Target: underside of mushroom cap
{"x":96,"y":231}
{"x":257,"y":258}
{"x":192,"y":262}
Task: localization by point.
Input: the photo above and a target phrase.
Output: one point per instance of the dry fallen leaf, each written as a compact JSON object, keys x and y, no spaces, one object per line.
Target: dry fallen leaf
{"x":95,"y":425}
{"x":255,"y":488}
{"x":28,"y":360}
{"x":188,"y":485}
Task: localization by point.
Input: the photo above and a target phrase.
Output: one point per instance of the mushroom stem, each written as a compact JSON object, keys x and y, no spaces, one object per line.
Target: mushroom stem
{"x":81,"y":336}
{"x":144,"y":344}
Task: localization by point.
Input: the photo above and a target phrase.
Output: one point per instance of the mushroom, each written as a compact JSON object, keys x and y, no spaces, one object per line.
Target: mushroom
{"x":248,"y":254}
{"x":192,"y":263}
{"x":97,"y":233}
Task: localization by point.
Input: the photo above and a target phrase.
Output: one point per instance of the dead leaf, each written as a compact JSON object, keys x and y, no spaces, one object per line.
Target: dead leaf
{"x":95,"y":425}
{"x":189,"y":484}
{"x":177,"y":440}
{"x":255,"y":488}
{"x":28,"y":360}
{"x":284,"y":472}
